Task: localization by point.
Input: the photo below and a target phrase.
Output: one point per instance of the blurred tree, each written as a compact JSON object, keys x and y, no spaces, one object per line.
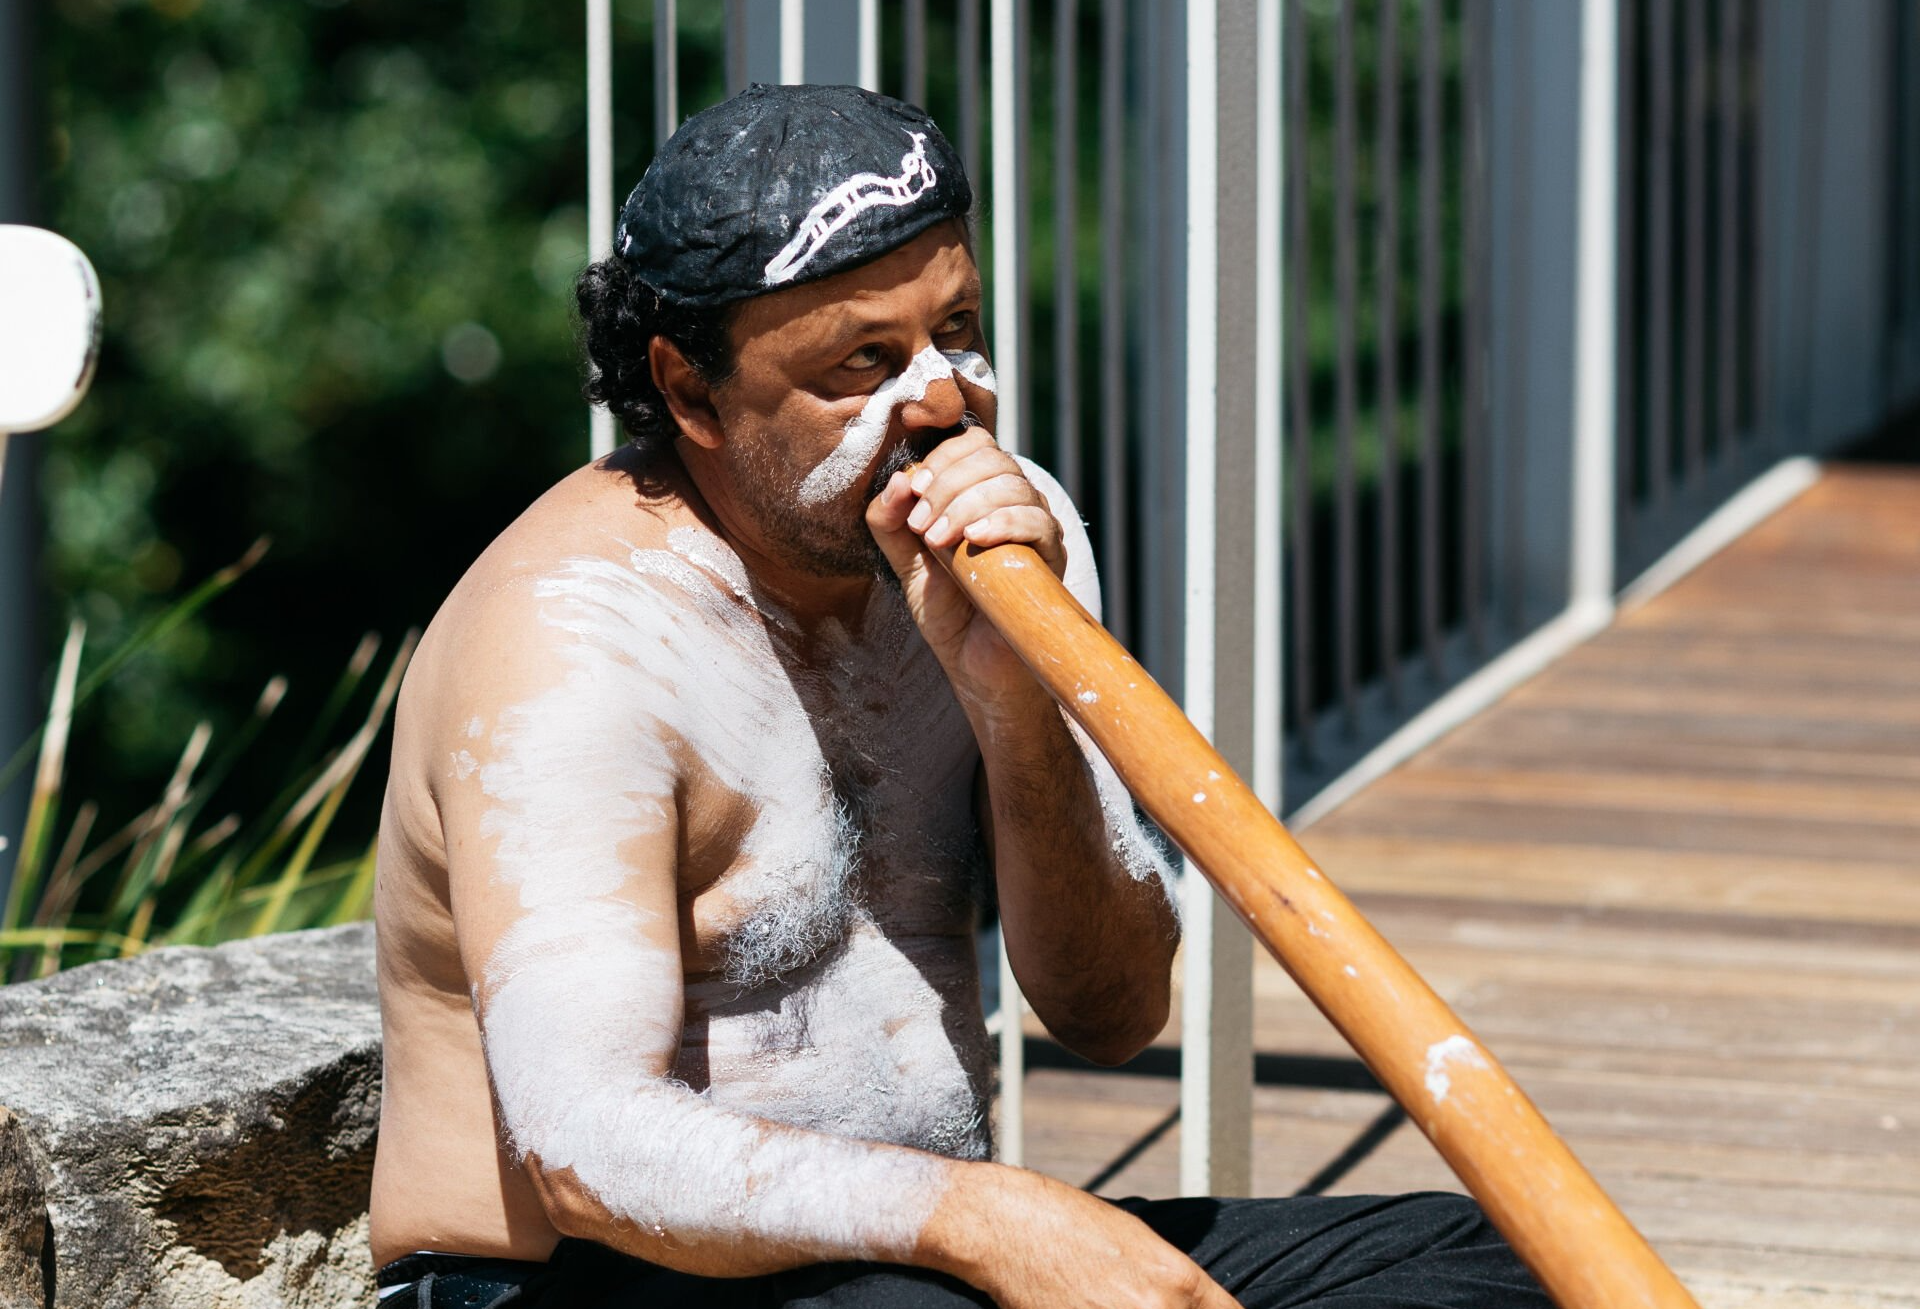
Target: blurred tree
{"x":337,"y":242}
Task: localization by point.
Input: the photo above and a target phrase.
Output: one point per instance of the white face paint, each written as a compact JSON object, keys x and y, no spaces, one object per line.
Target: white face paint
{"x":748,"y":1105}
{"x":860,"y":441}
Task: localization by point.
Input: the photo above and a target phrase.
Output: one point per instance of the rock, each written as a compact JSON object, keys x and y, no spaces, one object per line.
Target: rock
{"x":192,"y":1128}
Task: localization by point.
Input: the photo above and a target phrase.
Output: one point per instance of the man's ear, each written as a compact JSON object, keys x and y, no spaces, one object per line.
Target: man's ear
{"x":689,"y":398}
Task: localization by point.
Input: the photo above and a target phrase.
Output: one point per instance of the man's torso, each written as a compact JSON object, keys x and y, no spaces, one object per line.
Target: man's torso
{"x":828,"y":872}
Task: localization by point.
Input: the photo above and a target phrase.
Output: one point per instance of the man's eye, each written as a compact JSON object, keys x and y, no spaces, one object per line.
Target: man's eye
{"x":955,"y":325}
{"x":867,"y":356}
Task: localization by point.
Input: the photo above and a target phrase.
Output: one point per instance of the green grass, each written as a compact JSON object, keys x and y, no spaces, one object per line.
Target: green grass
{"x":175,"y":874}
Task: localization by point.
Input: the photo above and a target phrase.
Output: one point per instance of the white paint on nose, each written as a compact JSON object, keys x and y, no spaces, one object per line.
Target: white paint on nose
{"x":860,"y":440}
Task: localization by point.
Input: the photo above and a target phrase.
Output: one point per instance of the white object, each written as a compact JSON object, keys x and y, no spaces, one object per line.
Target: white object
{"x":49,"y":327}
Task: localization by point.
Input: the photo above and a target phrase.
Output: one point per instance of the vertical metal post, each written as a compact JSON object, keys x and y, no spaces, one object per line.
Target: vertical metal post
{"x":20,"y":512}
{"x":1346,"y":549}
{"x":793,"y":41}
{"x":1216,"y":1070}
{"x":1115,"y":499}
{"x":1430,"y":394}
{"x":1066,"y":280}
{"x":599,"y":174}
{"x":1387,"y":334}
{"x":1474,"y":435}
{"x":914,"y":39}
{"x":1009,"y":296}
{"x":1595,"y":329}
{"x":1010,"y":203}
{"x":736,"y":20}
{"x":1695,"y":64}
{"x":968,"y":55}
{"x":869,"y":45}
{"x":1516,"y":337}
{"x":1627,"y":336}
{"x":1300,"y":535}
{"x":1810,"y":163}
{"x":1760,"y":273}
{"x":1659,"y":325}
{"x":1728,"y":324}
{"x":666,"y":71}
{"x":1269,"y":409}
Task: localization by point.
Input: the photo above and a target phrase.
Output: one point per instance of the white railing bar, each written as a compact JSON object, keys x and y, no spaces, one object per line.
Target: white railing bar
{"x":1197,"y":615}
{"x":1009,"y":200}
{"x":870,"y":44}
{"x":793,"y":41}
{"x":666,"y":71}
{"x":1268,"y":407}
{"x":1009,"y":268}
{"x":1745,"y":510}
{"x":1493,"y":680}
{"x":1595,"y":382}
{"x":1216,"y":1074}
{"x":599,"y":175}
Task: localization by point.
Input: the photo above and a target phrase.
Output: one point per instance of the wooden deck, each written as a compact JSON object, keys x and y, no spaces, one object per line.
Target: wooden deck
{"x":1674,"y":883}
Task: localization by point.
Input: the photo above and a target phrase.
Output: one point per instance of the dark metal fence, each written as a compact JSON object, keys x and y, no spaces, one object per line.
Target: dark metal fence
{"x":1691,"y":405}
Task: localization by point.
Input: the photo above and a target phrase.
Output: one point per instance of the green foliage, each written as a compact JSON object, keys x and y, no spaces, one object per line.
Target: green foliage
{"x":337,"y":244}
{"x":174,"y":875}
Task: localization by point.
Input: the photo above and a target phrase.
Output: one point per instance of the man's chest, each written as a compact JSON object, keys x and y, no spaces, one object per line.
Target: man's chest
{"x":854,"y":803}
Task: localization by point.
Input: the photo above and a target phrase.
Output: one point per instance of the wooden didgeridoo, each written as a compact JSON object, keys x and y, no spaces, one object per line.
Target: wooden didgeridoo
{"x":1578,"y":1243}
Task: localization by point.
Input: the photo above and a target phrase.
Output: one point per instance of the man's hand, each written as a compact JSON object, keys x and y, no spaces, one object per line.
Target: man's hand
{"x":967,"y":489}
{"x":1033,"y":1243}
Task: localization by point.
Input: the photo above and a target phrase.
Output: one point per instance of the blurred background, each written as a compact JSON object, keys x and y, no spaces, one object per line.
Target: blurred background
{"x":337,"y":241}
{"x":1489,"y":416}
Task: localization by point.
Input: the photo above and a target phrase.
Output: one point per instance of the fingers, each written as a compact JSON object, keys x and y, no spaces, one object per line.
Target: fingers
{"x":887,"y":519}
{"x":970,"y":489}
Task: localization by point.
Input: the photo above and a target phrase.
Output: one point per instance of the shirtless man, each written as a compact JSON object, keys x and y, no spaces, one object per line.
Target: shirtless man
{"x":701,"y":778}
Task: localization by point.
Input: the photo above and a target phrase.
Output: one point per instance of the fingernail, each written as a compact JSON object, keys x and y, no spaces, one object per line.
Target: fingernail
{"x":921,"y":481}
{"x":918,"y":518}
{"x":938,"y":532}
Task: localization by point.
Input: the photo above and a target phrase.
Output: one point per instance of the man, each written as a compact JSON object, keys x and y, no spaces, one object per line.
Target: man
{"x":703,"y":772}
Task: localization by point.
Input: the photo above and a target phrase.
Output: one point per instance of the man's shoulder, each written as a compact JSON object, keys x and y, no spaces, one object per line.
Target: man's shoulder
{"x":592,"y":516}
{"x":494,"y":637}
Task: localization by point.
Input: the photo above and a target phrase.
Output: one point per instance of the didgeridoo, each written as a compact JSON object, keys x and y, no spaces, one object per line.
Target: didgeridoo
{"x":1550,"y":1209}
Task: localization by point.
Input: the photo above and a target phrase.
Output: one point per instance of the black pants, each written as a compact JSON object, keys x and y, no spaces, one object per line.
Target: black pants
{"x":1419,"y":1251}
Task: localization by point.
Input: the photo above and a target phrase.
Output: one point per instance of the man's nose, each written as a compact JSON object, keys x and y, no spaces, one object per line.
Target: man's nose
{"x":940,"y":407}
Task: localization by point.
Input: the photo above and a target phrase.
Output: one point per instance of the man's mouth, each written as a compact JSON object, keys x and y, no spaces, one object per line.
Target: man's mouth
{"x":912,"y":450}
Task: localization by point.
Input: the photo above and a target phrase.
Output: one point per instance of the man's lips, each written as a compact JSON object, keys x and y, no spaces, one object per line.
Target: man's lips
{"x":911,"y":451}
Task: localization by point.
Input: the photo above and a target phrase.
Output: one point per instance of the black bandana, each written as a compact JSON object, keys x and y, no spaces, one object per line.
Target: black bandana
{"x":783,"y":185}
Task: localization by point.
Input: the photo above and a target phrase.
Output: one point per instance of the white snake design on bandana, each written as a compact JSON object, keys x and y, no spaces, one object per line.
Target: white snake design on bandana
{"x":841,"y":205}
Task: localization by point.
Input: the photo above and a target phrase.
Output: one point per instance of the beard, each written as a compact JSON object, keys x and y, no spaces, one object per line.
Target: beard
{"x":832,"y":540}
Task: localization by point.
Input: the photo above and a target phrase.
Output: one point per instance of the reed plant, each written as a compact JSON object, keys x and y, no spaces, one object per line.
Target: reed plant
{"x":177,"y":874}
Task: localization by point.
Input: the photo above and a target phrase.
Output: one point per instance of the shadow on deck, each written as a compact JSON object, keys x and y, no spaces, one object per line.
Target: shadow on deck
{"x":1674,"y":883}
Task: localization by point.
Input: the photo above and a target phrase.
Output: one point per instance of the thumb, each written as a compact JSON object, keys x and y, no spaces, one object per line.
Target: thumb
{"x":887,"y":520}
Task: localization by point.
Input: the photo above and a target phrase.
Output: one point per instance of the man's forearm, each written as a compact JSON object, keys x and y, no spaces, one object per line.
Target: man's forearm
{"x":691,"y":1186}
{"x":1085,"y":901}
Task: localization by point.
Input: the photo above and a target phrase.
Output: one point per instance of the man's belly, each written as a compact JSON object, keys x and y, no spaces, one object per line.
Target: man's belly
{"x":880,"y":1041}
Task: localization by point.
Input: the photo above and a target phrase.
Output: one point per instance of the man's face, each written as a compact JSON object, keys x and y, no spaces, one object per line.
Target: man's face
{"x":839,"y":383}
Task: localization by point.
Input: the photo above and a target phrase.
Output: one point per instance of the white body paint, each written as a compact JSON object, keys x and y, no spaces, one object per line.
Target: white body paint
{"x":860,"y":441}
{"x":1454,"y":1050}
{"x":843,"y":1012}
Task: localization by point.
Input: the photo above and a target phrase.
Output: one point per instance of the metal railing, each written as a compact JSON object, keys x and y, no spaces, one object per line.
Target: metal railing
{"x":1485,"y":305}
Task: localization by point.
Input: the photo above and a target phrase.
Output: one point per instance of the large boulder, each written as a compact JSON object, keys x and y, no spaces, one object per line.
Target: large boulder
{"x":192,"y":1128}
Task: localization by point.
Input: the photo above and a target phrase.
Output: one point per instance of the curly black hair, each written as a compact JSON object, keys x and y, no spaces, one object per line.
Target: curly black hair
{"x":619,"y":316}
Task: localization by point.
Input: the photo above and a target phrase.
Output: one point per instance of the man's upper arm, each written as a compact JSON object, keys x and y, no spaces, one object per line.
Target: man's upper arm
{"x":556,"y":799}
